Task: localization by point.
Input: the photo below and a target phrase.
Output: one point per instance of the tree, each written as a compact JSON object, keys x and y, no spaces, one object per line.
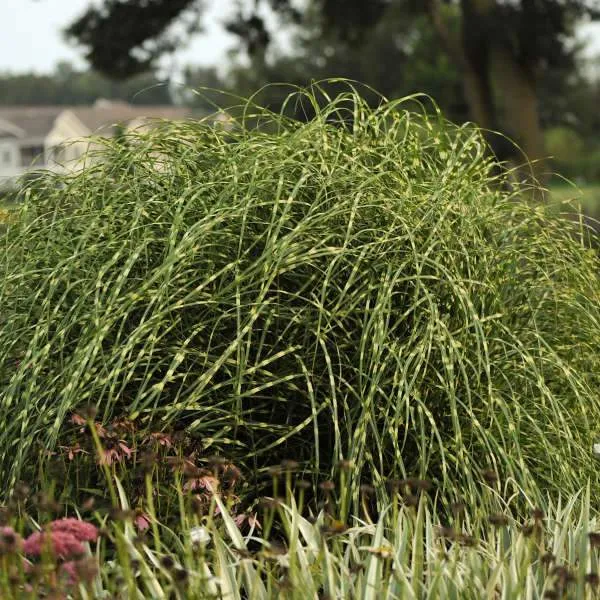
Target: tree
{"x":501,"y":47}
{"x":67,"y":86}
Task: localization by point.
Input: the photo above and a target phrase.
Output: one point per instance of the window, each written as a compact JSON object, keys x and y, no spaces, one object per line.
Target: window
{"x":31,"y":155}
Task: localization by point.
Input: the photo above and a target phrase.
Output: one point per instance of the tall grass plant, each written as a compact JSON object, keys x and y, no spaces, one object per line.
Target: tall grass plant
{"x":364,"y":286}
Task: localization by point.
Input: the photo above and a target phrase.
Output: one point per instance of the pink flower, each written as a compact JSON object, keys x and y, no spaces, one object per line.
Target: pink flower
{"x":80,"y":530}
{"x":251,"y":519}
{"x":61,"y":543}
{"x":81,"y":570}
{"x":160,"y":438}
{"x":72,"y":451}
{"x":141,"y":521}
{"x":115,"y":452}
{"x":70,"y":569}
{"x":77,"y":419}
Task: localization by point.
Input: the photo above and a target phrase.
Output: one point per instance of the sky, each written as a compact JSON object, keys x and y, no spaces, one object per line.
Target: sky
{"x":31,"y":39}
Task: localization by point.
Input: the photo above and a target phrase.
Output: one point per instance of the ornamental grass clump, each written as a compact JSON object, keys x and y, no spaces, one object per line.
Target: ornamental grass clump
{"x":362,"y":287}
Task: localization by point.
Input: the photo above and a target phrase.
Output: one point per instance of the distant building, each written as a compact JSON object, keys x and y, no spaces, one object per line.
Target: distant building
{"x":54,"y":136}
{"x":23,"y":132}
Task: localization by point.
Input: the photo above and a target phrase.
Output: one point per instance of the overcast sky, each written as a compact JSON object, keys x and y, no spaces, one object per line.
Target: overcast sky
{"x":31,"y":39}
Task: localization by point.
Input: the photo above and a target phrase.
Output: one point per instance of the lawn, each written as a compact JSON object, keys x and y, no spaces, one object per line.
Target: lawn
{"x":587,"y":195}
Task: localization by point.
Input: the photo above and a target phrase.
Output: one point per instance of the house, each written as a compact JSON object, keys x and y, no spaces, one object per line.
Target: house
{"x":23,"y":132}
{"x":54,"y":137}
{"x":67,"y":142}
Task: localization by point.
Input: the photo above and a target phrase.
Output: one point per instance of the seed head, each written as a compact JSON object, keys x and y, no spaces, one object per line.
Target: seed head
{"x":466,"y":540}
{"x":538,"y":514}
{"x":21,"y":491}
{"x":527,"y":530}
{"x":498,"y":520}
{"x":458,"y":508}
{"x":367,"y":490}
{"x":89,"y":412}
{"x":180,"y":576}
{"x":302,"y":484}
{"x":10,"y":541}
{"x":289,"y":466}
{"x":327,"y":486}
{"x":446,"y":533}
{"x":547,"y":559}
{"x":411,"y":500}
{"x":490,"y":476}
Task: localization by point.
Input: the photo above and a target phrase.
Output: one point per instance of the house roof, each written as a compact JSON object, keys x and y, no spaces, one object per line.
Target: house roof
{"x":37,"y":121}
{"x":34,"y":121}
{"x":102,"y":118}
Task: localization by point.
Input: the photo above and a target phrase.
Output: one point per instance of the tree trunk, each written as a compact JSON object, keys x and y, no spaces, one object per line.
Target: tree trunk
{"x":491,"y":73}
{"x":516,"y":89}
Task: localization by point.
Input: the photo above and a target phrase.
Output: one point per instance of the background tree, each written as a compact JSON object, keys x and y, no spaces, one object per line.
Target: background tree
{"x":501,"y":48}
{"x":69,"y":86}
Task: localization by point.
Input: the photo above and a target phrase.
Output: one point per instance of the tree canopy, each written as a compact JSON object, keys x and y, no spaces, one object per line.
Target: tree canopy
{"x":68,"y":86}
{"x":501,"y":49}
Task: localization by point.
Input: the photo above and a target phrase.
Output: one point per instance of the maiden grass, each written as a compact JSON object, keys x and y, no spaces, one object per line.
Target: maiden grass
{"x":361,"y":286}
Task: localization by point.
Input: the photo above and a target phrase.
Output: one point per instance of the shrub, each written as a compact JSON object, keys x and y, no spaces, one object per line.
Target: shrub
{"x":359,"y":287}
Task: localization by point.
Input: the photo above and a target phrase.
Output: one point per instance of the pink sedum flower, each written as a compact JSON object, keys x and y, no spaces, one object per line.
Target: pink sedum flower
{"x":81,"y":530}
{"x":61,"y":543}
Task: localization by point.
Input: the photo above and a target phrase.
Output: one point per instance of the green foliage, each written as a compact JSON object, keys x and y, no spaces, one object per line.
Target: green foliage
{"x":68,"y":86}
{"x":564,"y":144}
{"x":356,"y":287}
{"x":403,"y":551}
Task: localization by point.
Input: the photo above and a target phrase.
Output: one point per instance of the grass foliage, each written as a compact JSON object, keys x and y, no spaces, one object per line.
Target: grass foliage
{"x":404,"y":552}
{"x":360,"y":287}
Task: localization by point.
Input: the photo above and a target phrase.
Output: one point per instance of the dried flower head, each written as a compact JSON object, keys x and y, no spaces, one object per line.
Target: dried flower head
{"x":289,"y":466}
{"x":180,"y":576}
{"x":327,"y":486}
{"x":498,"y":520}
{"x":10,"y":541}
{"x":411,"y":500}
{"x":466,"y":540}
{"x":458,"y":508}
{"x":547,"y":558}
{"x":83,"y":570}
{"x":21,"y":491}
{"x":367,"y":490}
{"x":89,"y":412}
{"x":538,"y":514}
{"x":527,"y":530}
{"x":490,"y":476}
{"x":446,"y":532}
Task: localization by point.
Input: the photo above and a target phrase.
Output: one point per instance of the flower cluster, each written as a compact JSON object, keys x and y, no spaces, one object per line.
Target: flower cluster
{"x":63,"y":538}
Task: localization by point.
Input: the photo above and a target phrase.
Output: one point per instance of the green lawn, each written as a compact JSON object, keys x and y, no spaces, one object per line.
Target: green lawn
{"x":587,"y":195}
